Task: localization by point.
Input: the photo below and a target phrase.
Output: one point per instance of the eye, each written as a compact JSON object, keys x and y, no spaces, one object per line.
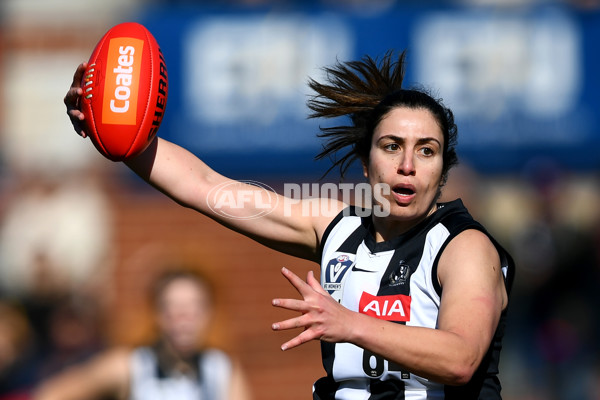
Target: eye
{"x":391,"y":146}
{"x":427,"y":151}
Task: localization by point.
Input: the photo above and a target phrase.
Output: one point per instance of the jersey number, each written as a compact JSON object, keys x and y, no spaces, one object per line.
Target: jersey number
{"x":373,"y":365}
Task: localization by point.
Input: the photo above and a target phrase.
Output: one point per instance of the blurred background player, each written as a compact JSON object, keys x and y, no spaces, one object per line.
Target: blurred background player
{"x":177,"y":366}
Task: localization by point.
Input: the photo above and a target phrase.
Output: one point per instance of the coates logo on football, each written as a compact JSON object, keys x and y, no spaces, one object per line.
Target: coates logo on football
{"x":242,"y":199}
{"x":121,"y":83}
{"x":390,"y":308}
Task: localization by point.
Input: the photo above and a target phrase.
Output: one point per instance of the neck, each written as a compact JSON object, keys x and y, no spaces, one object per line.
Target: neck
{"x":386,"y":228}
{"x":171,"y":360}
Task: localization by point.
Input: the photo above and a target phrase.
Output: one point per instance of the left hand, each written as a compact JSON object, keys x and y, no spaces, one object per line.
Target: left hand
{"x":322,"y":317}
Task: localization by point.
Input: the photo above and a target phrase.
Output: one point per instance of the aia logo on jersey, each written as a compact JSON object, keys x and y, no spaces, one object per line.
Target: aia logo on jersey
{"x":390,"y":308}
{"x":335,"y":271}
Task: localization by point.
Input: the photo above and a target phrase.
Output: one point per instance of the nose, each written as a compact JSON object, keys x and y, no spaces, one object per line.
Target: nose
{"x":406,"y":165}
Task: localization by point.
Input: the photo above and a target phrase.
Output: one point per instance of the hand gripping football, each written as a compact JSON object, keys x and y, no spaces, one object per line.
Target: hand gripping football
{"x":125,"y":90}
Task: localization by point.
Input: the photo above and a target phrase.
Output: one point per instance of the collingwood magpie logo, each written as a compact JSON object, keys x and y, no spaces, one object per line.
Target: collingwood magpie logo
{"x":400,"y":275}
{"x":335,"y":272}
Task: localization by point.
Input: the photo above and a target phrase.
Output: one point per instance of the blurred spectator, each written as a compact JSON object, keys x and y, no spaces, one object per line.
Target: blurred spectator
{"x":70,"y":332}
{"x":55,"y":259}
{"x":39,"y":339}
{"x":55,"y":234}
{"x":465,"y":183}
{"x":179,"y":365}
{"x":549,"y":219}
{"x":16,"y":353}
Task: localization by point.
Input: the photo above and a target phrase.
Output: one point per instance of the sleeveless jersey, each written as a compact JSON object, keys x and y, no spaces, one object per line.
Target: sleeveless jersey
{"x":395,"y":280}
{"x":149,"y":382}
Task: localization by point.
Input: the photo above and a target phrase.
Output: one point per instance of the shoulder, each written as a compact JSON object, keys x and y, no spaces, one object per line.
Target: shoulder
{"x":456,"y":218}
{"x":470,"y":255}
{"x":466,"y":236}
{"x":215,"y":353}
{"x":469,"y":243}
{"x":216,"y":360}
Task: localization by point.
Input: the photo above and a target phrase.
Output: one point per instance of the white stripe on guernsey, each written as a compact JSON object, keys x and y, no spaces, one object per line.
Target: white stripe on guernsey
{"x":422,"y":395}
{"x":424,"y":300}
{"x":358,"y":391}
{"x":345,"y":364}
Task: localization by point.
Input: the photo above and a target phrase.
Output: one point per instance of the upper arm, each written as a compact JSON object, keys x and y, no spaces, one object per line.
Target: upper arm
{"x":473,"y":291}
{"x":288,"y":224}
{"x":239,"y":388}
{"x":106,"y":375}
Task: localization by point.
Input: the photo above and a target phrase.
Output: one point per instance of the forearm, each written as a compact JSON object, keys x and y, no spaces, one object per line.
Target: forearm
{"x":190,"y":182}
{"x":104,"y":376}
{"x":176,"y":172}
{"x":438,"y":355}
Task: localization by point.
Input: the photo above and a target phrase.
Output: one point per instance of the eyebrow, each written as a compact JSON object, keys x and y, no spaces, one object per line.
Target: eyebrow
{"x":402,"y":140}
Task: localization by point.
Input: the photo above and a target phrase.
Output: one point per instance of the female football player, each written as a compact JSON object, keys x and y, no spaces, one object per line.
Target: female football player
{"x":411,"y":300}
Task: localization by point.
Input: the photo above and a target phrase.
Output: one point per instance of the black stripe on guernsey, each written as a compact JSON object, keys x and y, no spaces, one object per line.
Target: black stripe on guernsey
{"x":409,"y":262}
{"x":360,"y":232}
{"x":328,"y":230}
{"x":408,"y":251}
{"x":380,"y":390}
{"x":325,"y":387}
{"x":393,"y":388}
{"x":350,"y":245}
{"x":407,"y":257}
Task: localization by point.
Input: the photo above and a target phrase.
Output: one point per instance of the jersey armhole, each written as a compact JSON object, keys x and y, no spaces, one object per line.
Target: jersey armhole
{"x":506,"y":261}
{"x":346,"y":211}
{"x":434,"y":268}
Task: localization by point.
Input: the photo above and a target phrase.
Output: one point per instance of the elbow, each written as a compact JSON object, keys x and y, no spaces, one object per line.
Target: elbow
{"x":460,"y":371}
{"x":459,"y":377}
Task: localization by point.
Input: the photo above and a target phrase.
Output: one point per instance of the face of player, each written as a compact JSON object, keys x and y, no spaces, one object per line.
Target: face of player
{"x":406,"y":155}
{"x":184,"y":314}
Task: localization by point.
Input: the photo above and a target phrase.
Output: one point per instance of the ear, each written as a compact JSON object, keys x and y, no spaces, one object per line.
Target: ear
{"x":365,"y":167}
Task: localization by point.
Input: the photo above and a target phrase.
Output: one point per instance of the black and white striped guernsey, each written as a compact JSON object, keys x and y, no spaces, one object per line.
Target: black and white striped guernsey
{"x":395,"y":281}
{"x":150,"y":382}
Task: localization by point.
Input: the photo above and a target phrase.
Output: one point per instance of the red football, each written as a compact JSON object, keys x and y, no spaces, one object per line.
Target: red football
{"x":124,"y":91}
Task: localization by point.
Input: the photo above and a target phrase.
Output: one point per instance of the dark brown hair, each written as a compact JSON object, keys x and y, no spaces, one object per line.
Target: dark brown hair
{"x":365,"y":91}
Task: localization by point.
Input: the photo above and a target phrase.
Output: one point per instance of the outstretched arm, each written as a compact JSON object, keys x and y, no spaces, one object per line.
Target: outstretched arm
{"x":105,"y":376}
{"x":283,"y":225}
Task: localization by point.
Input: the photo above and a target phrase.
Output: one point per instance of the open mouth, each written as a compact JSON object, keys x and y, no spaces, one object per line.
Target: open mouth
{"x":404,"y":190}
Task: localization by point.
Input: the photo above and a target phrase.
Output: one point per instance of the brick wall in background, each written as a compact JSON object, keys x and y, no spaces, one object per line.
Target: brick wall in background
{"x":152,"y":231}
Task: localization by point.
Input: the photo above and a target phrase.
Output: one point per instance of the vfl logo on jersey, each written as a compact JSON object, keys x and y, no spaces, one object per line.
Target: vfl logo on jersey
{"x":400,"y":275}
{"x":335,"y":271}
{"x":389,"y":308}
